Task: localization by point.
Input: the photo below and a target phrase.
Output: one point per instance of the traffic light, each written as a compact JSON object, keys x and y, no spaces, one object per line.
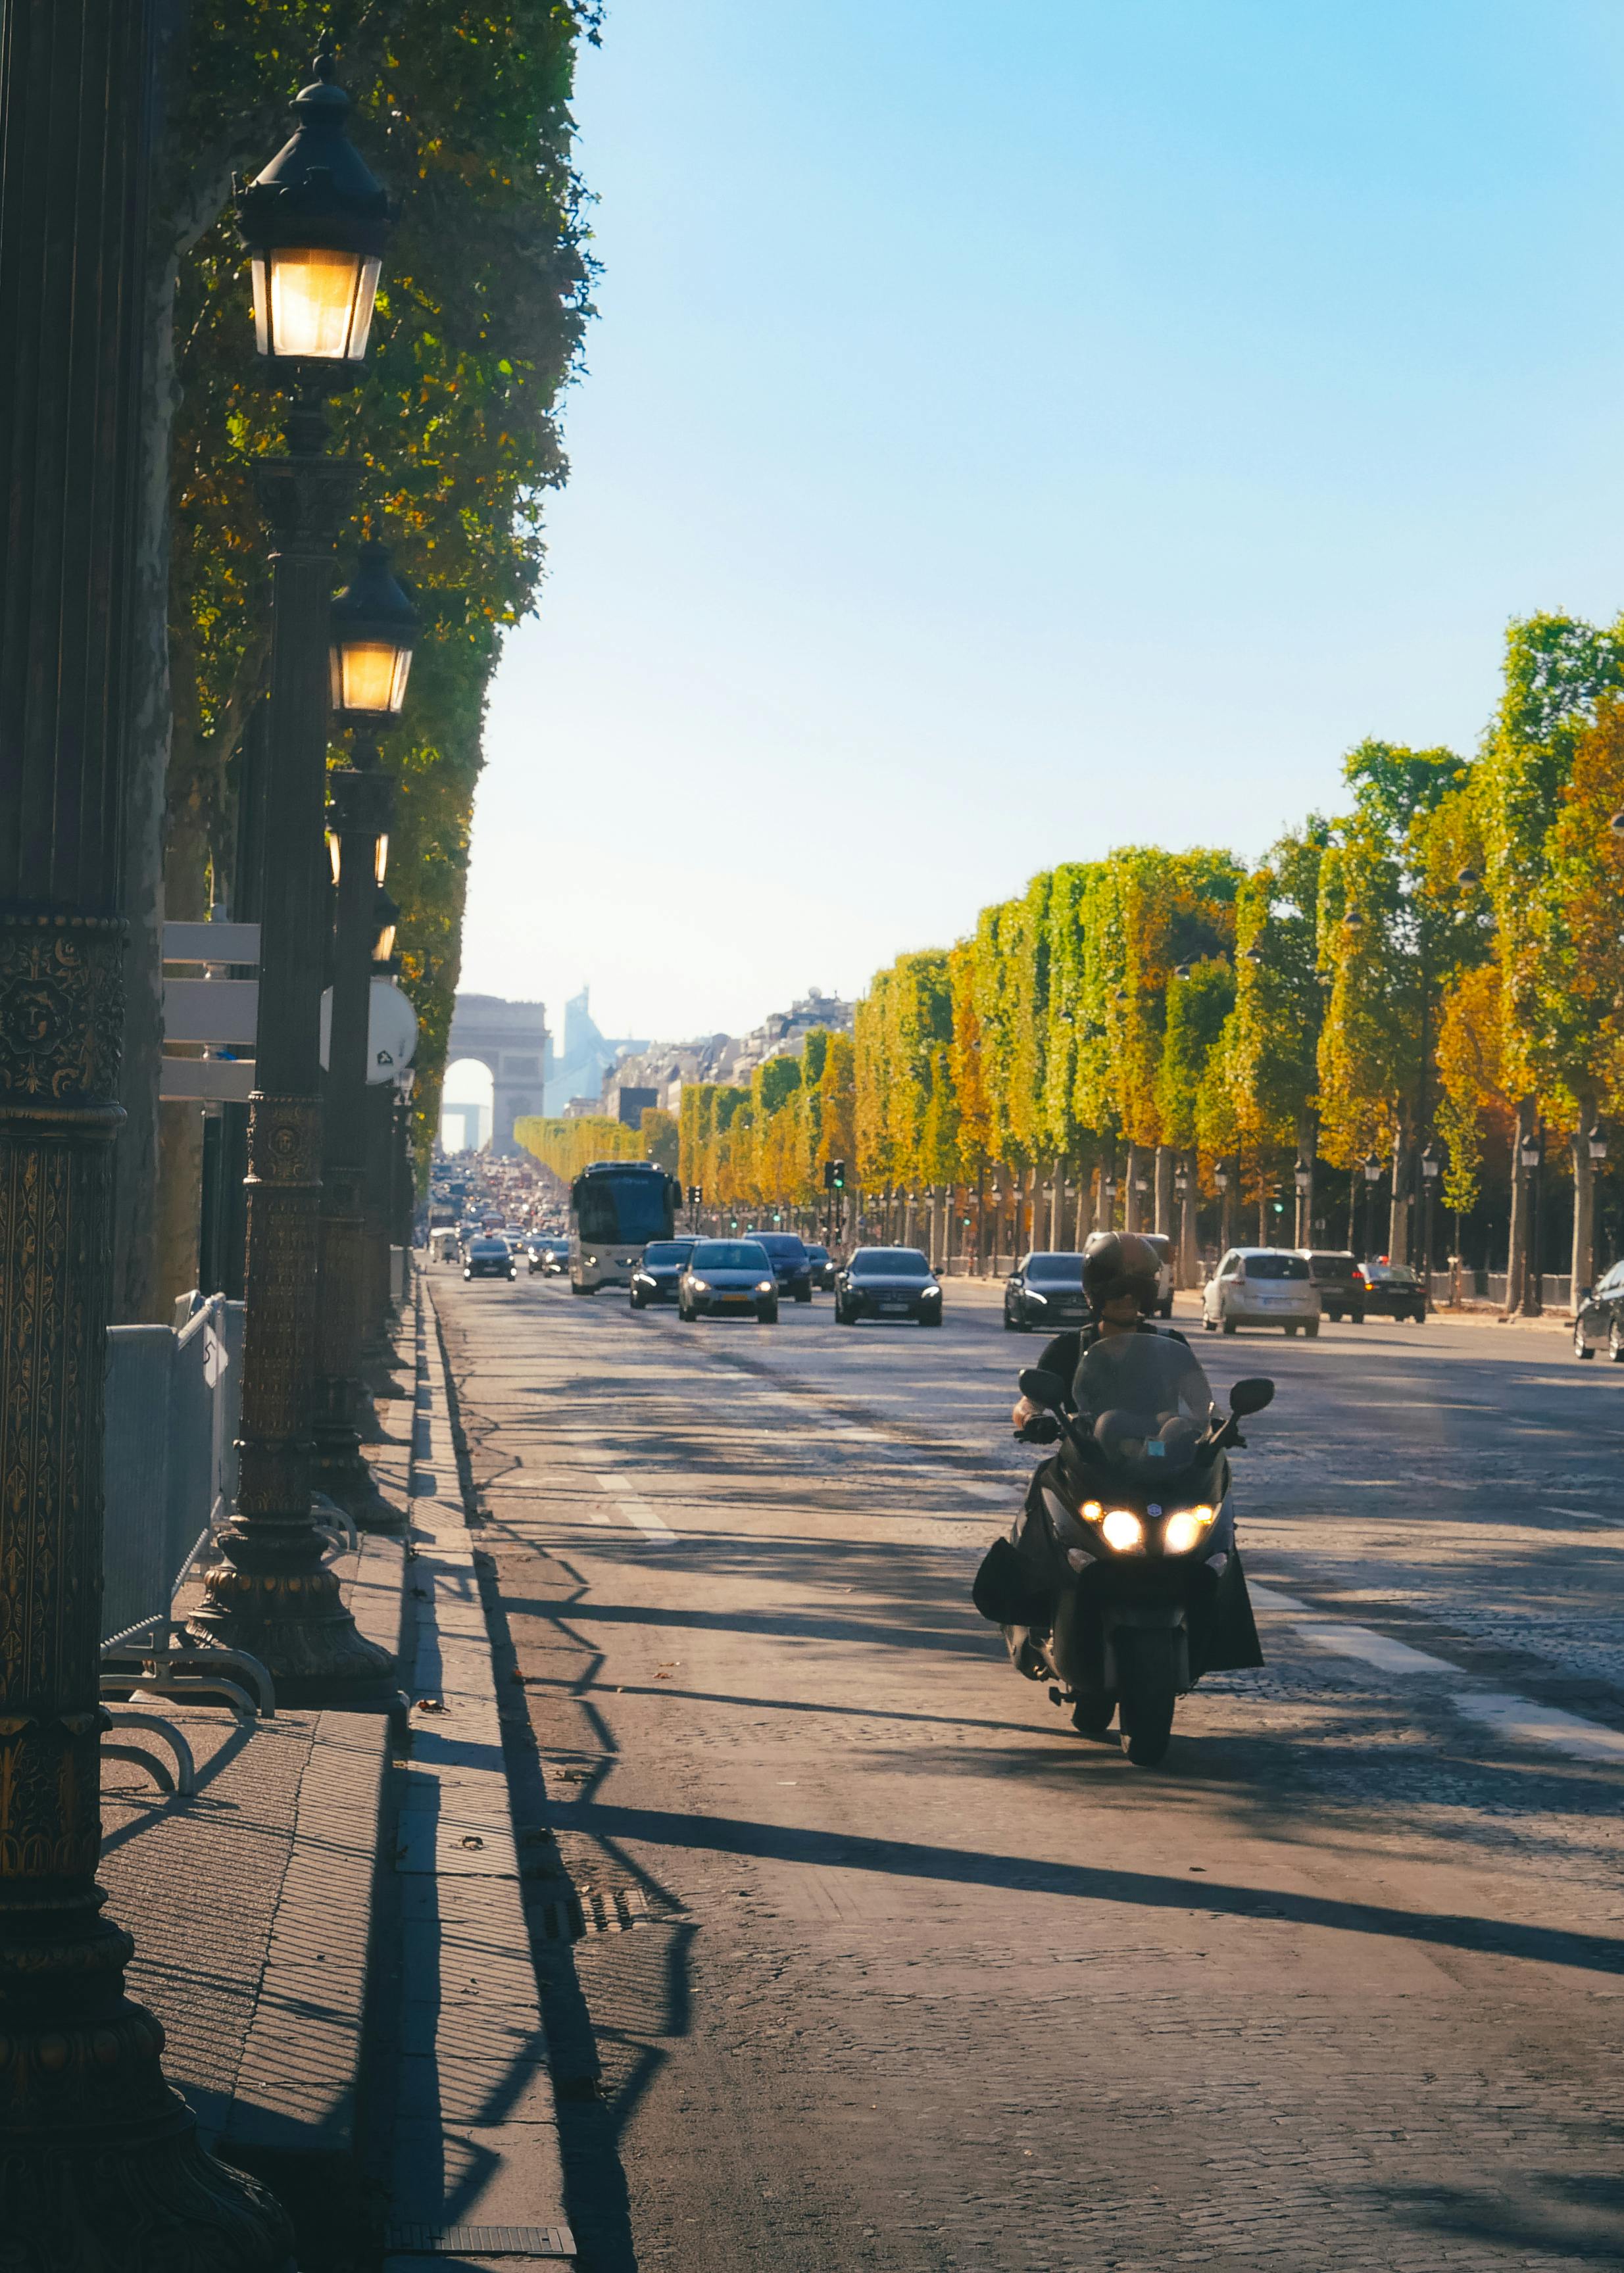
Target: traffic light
{"x":837,"y":1175}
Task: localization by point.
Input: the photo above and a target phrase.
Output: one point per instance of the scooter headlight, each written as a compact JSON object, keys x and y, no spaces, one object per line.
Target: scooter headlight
{"x":1186,"y":1528}
{"x":1123,"y":1531}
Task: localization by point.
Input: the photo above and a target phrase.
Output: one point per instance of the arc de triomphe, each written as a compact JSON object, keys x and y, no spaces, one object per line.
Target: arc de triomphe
{"x":511,"y":1038}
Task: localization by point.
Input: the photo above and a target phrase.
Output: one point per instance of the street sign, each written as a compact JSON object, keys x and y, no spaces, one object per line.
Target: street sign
{"x":392,"y":1030}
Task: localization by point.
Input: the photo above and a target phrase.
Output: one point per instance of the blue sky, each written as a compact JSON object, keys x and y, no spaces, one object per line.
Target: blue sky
{"x":1017,"y":428}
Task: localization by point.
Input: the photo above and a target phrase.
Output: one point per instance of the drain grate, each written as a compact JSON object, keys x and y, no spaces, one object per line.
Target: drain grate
{"x":594,"y":1909}
{"x":480,"y":2241}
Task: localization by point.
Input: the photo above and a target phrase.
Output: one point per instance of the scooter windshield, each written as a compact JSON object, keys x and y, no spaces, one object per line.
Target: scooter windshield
{"x":1147,"y":1401}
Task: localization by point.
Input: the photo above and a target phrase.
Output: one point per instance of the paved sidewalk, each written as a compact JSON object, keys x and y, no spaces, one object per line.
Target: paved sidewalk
{"x":252,"y":1902}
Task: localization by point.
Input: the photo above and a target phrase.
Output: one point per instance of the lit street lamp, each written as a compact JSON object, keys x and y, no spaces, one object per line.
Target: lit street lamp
{"x":313,"y":222}
{"x":1303,"y":1177}
{"x":373,"y":627}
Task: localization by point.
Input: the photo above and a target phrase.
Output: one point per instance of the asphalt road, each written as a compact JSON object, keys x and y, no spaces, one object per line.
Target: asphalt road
{"x":874,"y":1964}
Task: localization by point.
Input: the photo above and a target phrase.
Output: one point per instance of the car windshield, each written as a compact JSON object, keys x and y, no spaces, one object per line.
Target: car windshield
{"x":781,"y":1244}
{"x":1055,"y":1270}
{"x":890,"y":1263}
{"x":669,"y":1251}
{"x":1275,"y":1266}
{"x":489,"y":1247}
{"x":1393,"y":1274}
{"x":818,"y":1255}
{"x":729,"y":1255}
{"x":1331,"y":1266}
{"x":1147,"y":1401}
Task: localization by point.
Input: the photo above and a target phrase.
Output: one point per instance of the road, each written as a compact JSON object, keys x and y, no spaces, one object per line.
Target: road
{"x":879,"y":1965}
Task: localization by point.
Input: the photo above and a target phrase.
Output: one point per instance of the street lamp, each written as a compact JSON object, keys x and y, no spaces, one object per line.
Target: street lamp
{"x":371,"y":630}
{"x":1432,"y":1168}
{"x":1531,"y":1156}
{"x":1255,"y":955}
{"x":313,"y":222}
{"x":1596,"y":1142}
{"x":1372,"y":1167}
{"x":1303,"y":1177}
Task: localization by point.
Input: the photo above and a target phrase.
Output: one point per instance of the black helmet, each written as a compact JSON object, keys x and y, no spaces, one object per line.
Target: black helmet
{"x":1117,"y":1263}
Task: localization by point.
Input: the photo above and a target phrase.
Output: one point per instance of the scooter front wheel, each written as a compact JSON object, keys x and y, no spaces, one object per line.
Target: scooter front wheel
{"x":1147,"y":1726}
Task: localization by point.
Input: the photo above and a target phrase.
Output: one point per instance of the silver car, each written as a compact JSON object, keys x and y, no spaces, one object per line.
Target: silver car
{"x":1261,"y":1286}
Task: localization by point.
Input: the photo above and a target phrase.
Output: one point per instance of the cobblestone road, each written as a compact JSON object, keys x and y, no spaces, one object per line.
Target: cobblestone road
{"x":883,"y":1967}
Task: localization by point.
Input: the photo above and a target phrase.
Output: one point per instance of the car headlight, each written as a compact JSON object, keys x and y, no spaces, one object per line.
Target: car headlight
{"x":1123,"y":1531}
{"x":1032,"y":1296}
{"x":700,"y":1285}
{"x":590,"y":1258}
{"x":767,"y":1287}
{"x":1186,"y":1528}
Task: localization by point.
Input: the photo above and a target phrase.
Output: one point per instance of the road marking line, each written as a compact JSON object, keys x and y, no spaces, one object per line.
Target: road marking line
{"x":637,"y":1511}
{"x":1516,"y":1718}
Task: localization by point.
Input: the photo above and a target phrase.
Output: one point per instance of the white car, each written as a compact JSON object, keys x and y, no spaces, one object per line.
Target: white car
{"x":1261,"y":1286}
{"x":1164,"y":1271}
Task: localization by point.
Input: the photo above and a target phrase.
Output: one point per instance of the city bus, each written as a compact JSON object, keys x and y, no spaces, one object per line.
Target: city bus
{"x":616,"y":1207}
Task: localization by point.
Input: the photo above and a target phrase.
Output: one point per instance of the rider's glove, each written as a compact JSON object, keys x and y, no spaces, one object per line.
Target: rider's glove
{"x":1042,"y":1428}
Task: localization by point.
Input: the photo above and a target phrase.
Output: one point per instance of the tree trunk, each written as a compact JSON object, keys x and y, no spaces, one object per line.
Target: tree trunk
{"x":1056,"y":1205}
{"x":1398,"y":1213}
{"x":1516,"y":1253}
{"x":1084,"y":1225}
{"x":1164,"y":1191}
{"x":1584,"y":1263}
{"x":1131,"y":1190}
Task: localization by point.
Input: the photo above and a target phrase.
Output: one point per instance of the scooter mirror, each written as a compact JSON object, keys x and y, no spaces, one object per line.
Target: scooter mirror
{"x":1250,"y":1396}
{"x":1047,"y":1390}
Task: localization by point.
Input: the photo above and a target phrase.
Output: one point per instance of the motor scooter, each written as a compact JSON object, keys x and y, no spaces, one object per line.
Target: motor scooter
{"x":1122,"y":1583}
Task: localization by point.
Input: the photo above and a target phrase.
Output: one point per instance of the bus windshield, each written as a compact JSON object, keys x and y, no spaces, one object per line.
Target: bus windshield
{"x":632,"y":1208}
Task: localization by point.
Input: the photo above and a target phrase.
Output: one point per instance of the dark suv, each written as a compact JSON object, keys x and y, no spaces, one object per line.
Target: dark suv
{"x":489,"y":1257}
{"x":888,"y":1282}
{"x":655,"y":1279}
{"x":792,"y":1266}
{"x":1393,"y":1290}
{"x":1342,"y":1290}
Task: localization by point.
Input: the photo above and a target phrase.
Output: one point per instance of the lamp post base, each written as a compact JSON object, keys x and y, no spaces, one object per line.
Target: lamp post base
{"x":296,"y":1623}
{"x":101,"y":2164}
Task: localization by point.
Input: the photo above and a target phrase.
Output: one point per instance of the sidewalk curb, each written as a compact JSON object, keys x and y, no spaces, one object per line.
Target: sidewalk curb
{"x":477,"y":2164}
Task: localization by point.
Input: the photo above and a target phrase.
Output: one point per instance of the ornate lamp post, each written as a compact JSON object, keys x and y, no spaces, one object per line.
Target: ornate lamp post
{"x":1224,"y":1177}
{"x":1372,"y":1168}
{"x":373,"y":628}
{"x":1432,"y":1168}
{"x":1530,"y":1154}
{"x":100,"y":2163}
{"x":1303,"y":1177}
{"x":314,"y":223}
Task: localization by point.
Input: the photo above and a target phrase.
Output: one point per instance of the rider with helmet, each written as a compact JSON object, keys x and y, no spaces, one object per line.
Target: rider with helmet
{"x":1121,"y":1286}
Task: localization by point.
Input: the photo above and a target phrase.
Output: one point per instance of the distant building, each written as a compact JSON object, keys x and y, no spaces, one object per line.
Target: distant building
{"x":631,"y":1104}
{"x":578,"y":1070}
{"x":511,"y":1039}
{"x":665,"y":1068}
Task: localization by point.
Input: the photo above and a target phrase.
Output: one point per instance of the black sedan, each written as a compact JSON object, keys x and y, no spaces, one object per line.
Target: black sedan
{"x":1392,"y":1290}
{"x":1600,"y":1321}
{"x":825,"y":1270}
{"x":792,"y":1266}
{"x":655,"y":1278}
{"x":1046,"y":1291}
{"x":888,"y":1282}
{"x":728,"y":1277}
{"x":489,"y":1257}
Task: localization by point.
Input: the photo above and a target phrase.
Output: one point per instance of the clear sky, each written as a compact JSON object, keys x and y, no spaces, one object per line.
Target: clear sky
{"x":1018,"y":428}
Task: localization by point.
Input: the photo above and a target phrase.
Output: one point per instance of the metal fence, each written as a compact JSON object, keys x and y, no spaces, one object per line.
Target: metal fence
{"x":170,"y":1468}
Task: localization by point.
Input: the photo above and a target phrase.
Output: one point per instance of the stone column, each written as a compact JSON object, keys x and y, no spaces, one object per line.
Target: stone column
{"x":100,"y":2163}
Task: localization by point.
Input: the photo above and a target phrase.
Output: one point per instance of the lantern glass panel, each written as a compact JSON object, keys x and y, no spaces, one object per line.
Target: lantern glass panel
{"x":369,"y":677}
{"x":384,"y":947}
{"x":316,"y":301}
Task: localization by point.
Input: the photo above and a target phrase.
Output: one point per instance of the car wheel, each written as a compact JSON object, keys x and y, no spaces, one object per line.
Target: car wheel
{"x":847,"y":1317}
{"x":636,"y":1300}
{"x":1229,"y":1326}
{"x":1165,"y":1310}
{"x":1582,"y":1349}
{"x":1290,"y":1333}
{"x":930,"y":1317}
{"x":803,"y":1294}
{"x":1008,"y":1322}
{"x":468,"y":1274}
{"x":1336,"y":1317}
{"x":768,"y":1314}
{"x":1208,"y":1326}
{"x":1615,"y":1342}
{"x":1312,"y":1330}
